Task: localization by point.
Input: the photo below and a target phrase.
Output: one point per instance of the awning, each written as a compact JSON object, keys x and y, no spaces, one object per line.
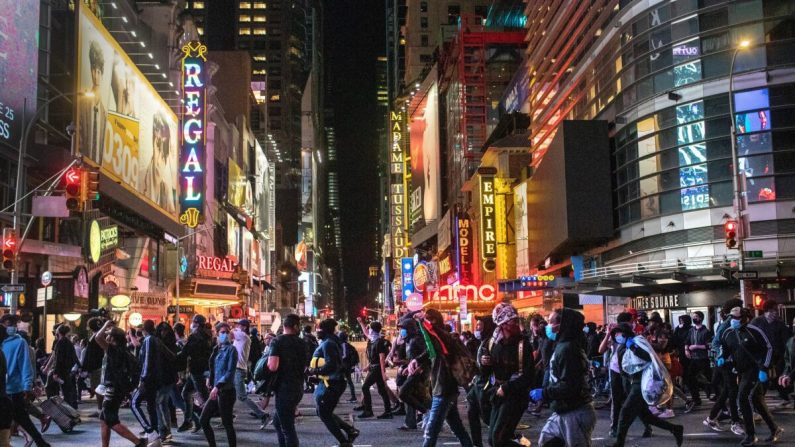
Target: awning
{"x":209,"y":292}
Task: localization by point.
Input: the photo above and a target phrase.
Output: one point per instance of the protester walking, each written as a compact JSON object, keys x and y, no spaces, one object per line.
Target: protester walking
{"x":287,"y":360}
{"x":377,"y":350}
{"x":222,"y":395}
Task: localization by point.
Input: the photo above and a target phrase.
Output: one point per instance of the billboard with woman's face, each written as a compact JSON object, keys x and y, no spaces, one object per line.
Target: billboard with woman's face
{"x":425,"y":189}
{"x":123,"y":125}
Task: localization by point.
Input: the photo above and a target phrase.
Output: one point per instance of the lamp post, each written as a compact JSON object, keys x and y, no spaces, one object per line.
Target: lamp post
{"x":179,"y":265}
{"x":23,"y":146}
{"x":739,"y":205}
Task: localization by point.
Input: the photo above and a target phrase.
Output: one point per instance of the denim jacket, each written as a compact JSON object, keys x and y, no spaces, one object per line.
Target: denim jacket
{"x":224,"y":362}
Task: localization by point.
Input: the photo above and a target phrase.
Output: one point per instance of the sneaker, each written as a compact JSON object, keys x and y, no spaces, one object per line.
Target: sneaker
{"x":195,"y":428}
{"x":385,"y":415}
{"x":352,"y":435}
{"x":775,"y":436}
{"x":405,"y":427}
{"x":647,"y":432}
{"x":266,"y":419}
{"x":738,"y":429}
{"x":667,"y":414}
{"x":365,"y":415}
{"x":154,"y":441}
{"x":187,"y":425}
{"x":689,"y":405}
{"x":654,"y":410}
{"x":749,"y":441}
{"x":353,"y":400}
{"x":713,"y":424}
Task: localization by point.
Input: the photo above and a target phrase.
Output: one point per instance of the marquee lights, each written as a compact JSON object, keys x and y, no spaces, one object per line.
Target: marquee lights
{"x":488,"y":221}
{"x":194,"y":85}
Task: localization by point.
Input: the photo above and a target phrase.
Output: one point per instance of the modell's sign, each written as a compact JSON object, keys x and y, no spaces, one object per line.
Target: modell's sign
{"x":215,"y":267}
{"x":471,"y":293}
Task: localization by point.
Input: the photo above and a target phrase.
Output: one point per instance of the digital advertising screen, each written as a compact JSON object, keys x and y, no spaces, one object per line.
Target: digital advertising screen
{"x":425,"y":194}
{"x":123,"y":125}
{"x":19,"y":57}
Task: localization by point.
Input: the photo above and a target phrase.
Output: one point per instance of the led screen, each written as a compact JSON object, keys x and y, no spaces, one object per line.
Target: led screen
{"x":752,"y":121}
{"x":690,"y":112}
{"x":756,"y":143}
{"x":19,"y":25}
{"x":751,"y":100}
{"x":695,"y":191}
{"x":687,"y":73}
{"x":425,"y":179}
{"x":758,"y":186}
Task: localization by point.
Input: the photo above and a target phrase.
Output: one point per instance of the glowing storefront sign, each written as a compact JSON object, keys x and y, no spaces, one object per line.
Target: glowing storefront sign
{"x":488,"y":223}
{"x":193,"y":134}
{"x":486,"y":293}
{"x":464,"y":238}
{"x":407,"y":277}
{"x":215,"y":267}
{"x":397,"y":189}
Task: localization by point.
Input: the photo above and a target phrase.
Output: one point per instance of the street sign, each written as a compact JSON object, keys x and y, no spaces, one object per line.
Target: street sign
{"x":42,"y":294}
{"x":745,"y":274}
{"x":753,"y":254}
{"x":46,"y":278}
{"x":12,"y":288}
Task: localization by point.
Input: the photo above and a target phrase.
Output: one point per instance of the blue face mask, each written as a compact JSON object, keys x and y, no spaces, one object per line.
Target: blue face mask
{"x":550,"y":335}
{"x":586,"y":329}
{"x":11,"y":331}
{"x":223,"y":338}
{"x":404,"y":333}
{"x":735,"y":324}
{"x":478,"y":334}
{"x":620,"y":339}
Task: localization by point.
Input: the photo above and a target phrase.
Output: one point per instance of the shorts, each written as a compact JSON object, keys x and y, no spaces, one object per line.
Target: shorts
{"x":574,"y":427}
{"x":110,"y":407}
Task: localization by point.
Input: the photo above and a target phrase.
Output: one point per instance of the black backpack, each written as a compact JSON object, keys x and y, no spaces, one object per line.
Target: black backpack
{"x":350,"y":357}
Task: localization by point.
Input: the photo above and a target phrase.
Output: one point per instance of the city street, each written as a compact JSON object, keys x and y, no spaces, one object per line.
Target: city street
{"x":384,"y":433}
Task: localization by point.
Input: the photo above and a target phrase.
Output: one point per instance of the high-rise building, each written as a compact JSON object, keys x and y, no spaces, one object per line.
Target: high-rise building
{"x":395,"y":46}
{"x":428,"y":24}
{"x":674,"y":82}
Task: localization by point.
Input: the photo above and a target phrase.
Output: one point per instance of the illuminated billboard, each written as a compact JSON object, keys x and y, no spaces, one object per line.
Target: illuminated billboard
{"x":191,"y":159}
{"x":123,"y":125}
{"x":19,"y":57}
{"x":425,"y":194}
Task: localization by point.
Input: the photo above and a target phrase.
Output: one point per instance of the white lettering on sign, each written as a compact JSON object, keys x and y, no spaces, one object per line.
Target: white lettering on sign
{"x":216,"y":264}
{"x":472,"y":293}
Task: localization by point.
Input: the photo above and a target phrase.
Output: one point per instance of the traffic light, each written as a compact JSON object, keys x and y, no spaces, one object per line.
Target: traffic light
{"x":730,"y":232}
{"x":364,"y":312}
{"x":74,"y":189}
{"x":9,"y":248}
{"x":91,"y":186}
{"x":759,"y":299}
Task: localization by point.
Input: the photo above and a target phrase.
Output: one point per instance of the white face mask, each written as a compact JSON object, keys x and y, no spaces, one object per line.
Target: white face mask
{"x":374,"y":335}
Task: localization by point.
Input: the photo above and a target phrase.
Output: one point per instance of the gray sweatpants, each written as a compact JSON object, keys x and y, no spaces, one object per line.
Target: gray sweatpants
{"x":574,"y":427}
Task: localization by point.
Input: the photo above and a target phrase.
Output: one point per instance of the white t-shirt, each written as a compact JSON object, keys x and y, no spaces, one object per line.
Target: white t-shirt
{"x":243,"y":344}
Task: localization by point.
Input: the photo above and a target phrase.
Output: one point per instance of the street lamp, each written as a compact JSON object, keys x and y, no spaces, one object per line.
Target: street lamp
{"x":179,"y":264}
{"x":739,"y":206}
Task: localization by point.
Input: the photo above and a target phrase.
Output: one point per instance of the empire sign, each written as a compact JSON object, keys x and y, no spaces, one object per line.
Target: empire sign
{"x":488,"y":222}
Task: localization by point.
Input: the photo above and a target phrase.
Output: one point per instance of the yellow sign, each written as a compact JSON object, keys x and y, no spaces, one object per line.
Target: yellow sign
{"x":94,"y":242}
{"x":120,"y":157}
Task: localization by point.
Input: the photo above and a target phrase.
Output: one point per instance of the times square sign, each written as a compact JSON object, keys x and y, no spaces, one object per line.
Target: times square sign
{"x":191,"y":159}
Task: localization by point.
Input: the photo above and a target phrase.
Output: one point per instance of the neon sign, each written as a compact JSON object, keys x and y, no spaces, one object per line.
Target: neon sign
{"x":397,"y":189}
{"x":215,"y":267}
{"x":191,"y":162}
{"x":464,"y":236}
{"x":467,"y":293}
{"x":407,"y":270}
{"x":488,"y":222}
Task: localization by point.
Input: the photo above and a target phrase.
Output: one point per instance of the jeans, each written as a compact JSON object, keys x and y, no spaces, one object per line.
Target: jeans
{"x":349,"y":379}
{"x":224,"y":405}
{"x":242,"y":394}
{"x":697,"y":368}
{"x":287,"y":401}
{"x":146,"y":393}
{"x":326,"y":399}
{"x":727,"y":396}
{"x":194,"y":383}
{"x":164,"y":394}
{"x":445,"y":408}
{"x":374,"y":377}
{"x":478,"y":409}
{"x":21,"y":417}
{"x":617,"y":397}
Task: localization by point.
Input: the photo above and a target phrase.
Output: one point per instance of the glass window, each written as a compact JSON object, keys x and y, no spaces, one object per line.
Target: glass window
{"x":423,"y":6}
{"x":649,"y":204}
{"x":686,"y":50}
{"x":760,"y":189}
{"x":715,"y":42}
{"x":784,"y":117}
{"x":783,"y":140}
{"x":244,"y":18}
{"x":648,"y":166}
{"x":647,"y":146}
{"x":260,"y":31}
{"x":198,"y":5}
{"x":719,"y":148}
{"x":752,"y":121}
{"x":684,"y":27}
{"x":670,"y":202}
{"x":690,"y":112}
{"x":716,"y":65}
{"x":244,"y":31}
{"x":714,"y":19}
{"x":784,"y":161}
{"x":669,"y":159}
{"x":423,"y":22}
{"x":720,"y":169}
{"x":690,"y":133}
{"x":721,"y":194}
{"x":453,"y":12}
{"x":663,"y":81}
{"x":692,"y":154}
{"x":785,"y":186}
{"x":424,"y":40}
{"x":647,"y":126}
{"x":716,"y":106}
{"x":756,"y":166}
{"x":695,"y":190}
{"x":669,"y":180}
{"x":687,"y":73}
{"x":260,"y":19}
{"x":260,"y":5}
{"x":245,"y":5}
{"x":756,"y":143}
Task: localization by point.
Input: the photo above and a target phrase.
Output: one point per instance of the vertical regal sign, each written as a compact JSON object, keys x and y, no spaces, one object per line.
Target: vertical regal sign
{"x":488,"y":223}
{"x":191,"y":166}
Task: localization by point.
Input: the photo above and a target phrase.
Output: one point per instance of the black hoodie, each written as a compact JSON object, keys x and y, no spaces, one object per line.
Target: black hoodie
{"x":568,"y":387}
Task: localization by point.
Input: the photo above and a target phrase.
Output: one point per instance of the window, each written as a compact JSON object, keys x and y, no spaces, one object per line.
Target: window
{"x":425,"y":58}
{"x":244,"y":31}
{"x":752,"y":121}
{"x":482,"y":11}
{"x":423,"y":7}
{"x":424,"y":40}
{"x":275,"y":98}
{"x":687,"y":73}
{"x":198,"y":5}
{"x":752,"y":99}
{"x":245,"y":5}
{"x":261,"y":71}
{"x":453,"y":13}
{"x":260,"y":31}
{"x":260,"y":19}
{"x":262,"y":58}
{"x":244,"y":19}
{"x":423,"y":22}
{"x":200,"y":30}
{"x":260,"y":5}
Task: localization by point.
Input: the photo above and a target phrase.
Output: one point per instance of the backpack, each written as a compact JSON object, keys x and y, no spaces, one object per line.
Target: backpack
{"x":350,"y":356}
{"x":132,"y":371}
{"x":261,"y":370}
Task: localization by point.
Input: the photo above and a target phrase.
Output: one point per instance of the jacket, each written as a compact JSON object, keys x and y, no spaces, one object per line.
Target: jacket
{"x":568,"y":387}
{"x":197,"y":352}
{"x":789,"y":358}
{"x":149,"y":358}
{"x":747,"y":347}
{"x":777,"y":333}
{"x":513,"y":365}
{"x":224,"y":361}
{"x":329,"y":350}
{"x":65,"y":358}
{"x":20,"y":374}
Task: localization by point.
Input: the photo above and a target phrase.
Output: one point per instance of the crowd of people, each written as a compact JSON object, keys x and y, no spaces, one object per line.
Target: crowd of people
{"x":506,"y":367}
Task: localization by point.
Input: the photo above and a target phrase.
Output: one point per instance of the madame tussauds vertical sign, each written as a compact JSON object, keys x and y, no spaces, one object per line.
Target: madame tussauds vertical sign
{"x":397,"y":189}
{"x":191,"y":164}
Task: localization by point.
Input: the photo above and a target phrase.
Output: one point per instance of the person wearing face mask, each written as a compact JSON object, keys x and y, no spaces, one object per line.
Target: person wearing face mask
{"x":777,"y":332}
{"x":510,"y":360}
{"x":350,"y":360}
{"x":118,"y":367}
{"x":727,"y":396}
{"x":568,"y":390}
{"x":19,"y":377}
{"x":413,"y":388}
{"x":479,"y":405}
{"x":635,"y":406}
{"x":222,"y":398}
{"x":196,"y":352}
{"x":788,"y":376}
{"x":326,"y":365}
{"x":697,"y":347}
{"x":748,"y":348}
{"x":377,"y":350}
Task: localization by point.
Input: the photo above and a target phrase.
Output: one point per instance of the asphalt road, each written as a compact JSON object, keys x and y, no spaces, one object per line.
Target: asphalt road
{"x":384,"y":433}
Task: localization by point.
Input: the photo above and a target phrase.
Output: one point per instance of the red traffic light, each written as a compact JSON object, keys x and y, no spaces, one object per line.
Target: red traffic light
{"x":9,"y":248}
{"x":759,"y":300}
{"x":730,"y":232}
{"x":72,"y":177}
{"x":730,"y":226}
{"x":364,"y":311}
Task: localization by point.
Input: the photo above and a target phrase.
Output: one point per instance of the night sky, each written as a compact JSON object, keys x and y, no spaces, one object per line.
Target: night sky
{"x":354,"y":38}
